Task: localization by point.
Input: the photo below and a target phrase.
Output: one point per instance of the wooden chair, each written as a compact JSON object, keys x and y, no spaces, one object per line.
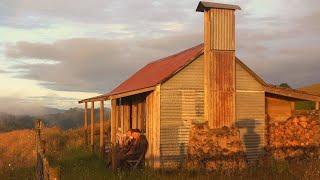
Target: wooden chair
{"x":133,"y":164}
{"x":107,"y":155}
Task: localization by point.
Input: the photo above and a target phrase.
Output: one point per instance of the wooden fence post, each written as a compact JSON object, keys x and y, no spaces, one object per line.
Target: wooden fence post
{"x":92,"y":126}
{"x":43,"y":169}
{"x":101,"y":128}
{"x":86,"y":123}
{"x":113,"y":132}
{"x":39,"y":165}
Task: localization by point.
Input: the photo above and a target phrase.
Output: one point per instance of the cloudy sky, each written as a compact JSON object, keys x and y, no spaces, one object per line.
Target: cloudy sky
{"x":55,"y":52}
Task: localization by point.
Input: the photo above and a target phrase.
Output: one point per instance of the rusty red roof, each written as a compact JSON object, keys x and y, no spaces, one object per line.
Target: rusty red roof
{"x":158,"y":71}
{"x":161,"y":70}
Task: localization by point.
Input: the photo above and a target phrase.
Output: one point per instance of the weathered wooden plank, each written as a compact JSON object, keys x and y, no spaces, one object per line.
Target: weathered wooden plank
{"x":153,"y":127}
{"x":86,"y":123}
{"x":134,"y":114}
{"x":126,"y":116}
{"x":126,"y":94}
{"x":149,"y":125}
{"x":114,"y":115}
{"x":92,"y":126}
{"x":113,"y":120}
{"x":156,"y":123}
{"x":101,"y":116}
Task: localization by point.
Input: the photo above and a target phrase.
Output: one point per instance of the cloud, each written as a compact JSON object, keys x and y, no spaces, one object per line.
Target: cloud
{"x":18,"y":106}
{"x":92,"y":65}
{"x":39,"y":13}
{"x":3,"y":71}
{"x":272,"y":42}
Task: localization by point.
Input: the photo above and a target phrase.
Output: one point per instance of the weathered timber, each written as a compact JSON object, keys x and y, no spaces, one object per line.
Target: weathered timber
{"x":92,"y":126}
{"x":101,"y":143}
{"x":86,"y":123}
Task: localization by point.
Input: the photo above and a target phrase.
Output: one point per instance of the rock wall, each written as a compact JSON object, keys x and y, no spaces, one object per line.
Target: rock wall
{"x":215,"y":149}
{"x":296,"y":138}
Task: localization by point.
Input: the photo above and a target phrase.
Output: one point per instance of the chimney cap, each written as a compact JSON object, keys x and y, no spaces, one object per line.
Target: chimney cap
{"x":203,"y":5}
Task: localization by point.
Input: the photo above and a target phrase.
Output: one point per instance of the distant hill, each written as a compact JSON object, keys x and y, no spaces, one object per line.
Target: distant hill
{"x":9,"y":122}
{"x":17,"y":108}
{"x":313,"y":89}
{"x":65,"y":119}
{"x":72,"y":118}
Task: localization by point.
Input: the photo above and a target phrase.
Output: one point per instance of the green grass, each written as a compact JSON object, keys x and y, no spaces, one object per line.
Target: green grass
{"x":305,"y":105}
{"x":83,"y":165}
{"x":66,"y":152}
{"x":80,"y":164}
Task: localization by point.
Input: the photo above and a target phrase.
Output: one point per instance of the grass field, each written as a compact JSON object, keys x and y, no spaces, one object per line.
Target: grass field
{"x":81,"y":164}
{"x":66,"y":151}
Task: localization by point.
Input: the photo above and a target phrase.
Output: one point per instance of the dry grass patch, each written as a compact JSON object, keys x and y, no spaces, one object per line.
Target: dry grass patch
{"x":17,"y":149}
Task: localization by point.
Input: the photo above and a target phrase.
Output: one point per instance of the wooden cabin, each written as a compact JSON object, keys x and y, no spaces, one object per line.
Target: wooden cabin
{"x":204,"y":83}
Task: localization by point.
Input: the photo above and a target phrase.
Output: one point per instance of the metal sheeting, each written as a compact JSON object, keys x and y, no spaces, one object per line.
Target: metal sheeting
{"x":181,"y":103}
{"x":222,"y":29}
{"x":251,"y":122}
{"x":220,"y":88}
{"x":250,"y":112}
{"x":245,"y":80}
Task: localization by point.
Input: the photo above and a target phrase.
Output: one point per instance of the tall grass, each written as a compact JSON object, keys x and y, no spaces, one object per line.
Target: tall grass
{"x":67,"y":151}
{"x":80,"y":163}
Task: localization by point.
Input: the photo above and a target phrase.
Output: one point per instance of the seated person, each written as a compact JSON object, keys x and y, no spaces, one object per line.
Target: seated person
{"x":139,"y":147}
{"x":127,"y":142}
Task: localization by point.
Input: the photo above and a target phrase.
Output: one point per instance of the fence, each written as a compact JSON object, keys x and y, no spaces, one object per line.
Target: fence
{"x":43,"y":169}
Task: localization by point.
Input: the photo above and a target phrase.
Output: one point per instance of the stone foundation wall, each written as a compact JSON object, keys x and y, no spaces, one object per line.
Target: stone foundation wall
{"x":296,"y":138}
{"x":215,"y":149}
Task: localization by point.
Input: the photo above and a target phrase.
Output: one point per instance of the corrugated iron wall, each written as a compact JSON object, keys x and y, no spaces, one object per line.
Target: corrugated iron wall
{"x":250,"y":108}
{"x":219,"y":67}
{"x":223,"y":88}
{"x":182,"y":101}
{"x":222,"y":29}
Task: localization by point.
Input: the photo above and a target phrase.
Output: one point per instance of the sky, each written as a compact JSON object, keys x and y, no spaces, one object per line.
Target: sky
{"x":56,"y":52}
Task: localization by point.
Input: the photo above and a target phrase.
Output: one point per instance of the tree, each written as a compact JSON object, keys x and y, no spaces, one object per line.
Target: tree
{"x":284,"y":85}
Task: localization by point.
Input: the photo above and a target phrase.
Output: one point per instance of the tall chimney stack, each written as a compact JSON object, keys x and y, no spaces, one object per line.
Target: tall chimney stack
{"x":219,"y":63}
